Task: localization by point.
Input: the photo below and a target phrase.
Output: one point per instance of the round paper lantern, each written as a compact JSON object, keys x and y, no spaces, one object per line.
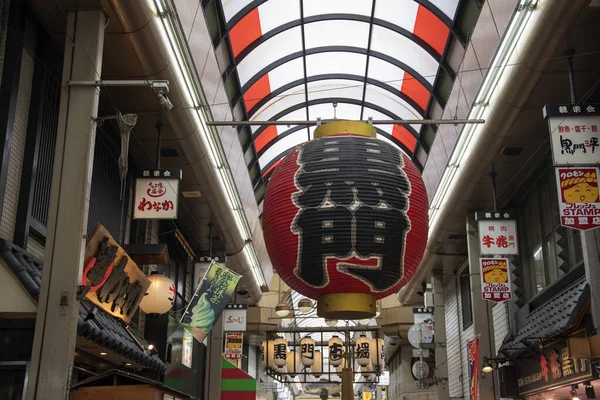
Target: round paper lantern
{"x":263,"y":353}
{"x":363,"y":345}
{"x":345,"y":219}
{"x":377,"y":353}
{"x":336,"y":351}
{"x":280,"y":352}
{"x":307,"y":347}
{"x":317,"y":367}
{"x":293,"y":363}
{"x":366,"y":372}
{"x":160,"y":296}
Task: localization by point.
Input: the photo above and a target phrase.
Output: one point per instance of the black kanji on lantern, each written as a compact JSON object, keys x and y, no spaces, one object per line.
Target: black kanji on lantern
{"x":352,"y":202}
{"x":308,"y":350}
{"x":335,"y":351}
{"x":279,"y":351}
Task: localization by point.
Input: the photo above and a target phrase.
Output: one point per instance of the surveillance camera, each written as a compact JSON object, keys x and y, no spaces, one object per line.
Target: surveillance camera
{"x":160,"y":87}
{"x":165,"y":103}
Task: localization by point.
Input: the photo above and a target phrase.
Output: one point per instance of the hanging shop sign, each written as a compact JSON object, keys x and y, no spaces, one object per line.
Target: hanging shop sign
{"x":345,"y":214}
{"x":473,"y":359}
{"x":209,"y":301}
{"x":110,"y":279}
{"x":234,"y":317}
{"x":497,"y":233}
{"x":423,"y":316}
{"x":578,"y":197}
{"x":574,"y":132}
{"x":495,"y":279}
{"x":234,"y":342}
{"x":156,"y":194}
{"x":187,"y":350}
{"x":553,"y":367}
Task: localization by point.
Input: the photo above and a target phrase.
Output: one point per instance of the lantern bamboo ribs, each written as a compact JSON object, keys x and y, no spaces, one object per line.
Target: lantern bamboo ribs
{"x":299,"y":359}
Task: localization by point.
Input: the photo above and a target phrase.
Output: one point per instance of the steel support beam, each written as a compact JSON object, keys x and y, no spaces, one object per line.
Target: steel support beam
{"x":372,"y":122}
{"x":58,"y":307}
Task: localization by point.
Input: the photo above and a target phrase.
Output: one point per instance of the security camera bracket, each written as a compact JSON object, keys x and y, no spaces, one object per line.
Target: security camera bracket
{"x":159,"y":86}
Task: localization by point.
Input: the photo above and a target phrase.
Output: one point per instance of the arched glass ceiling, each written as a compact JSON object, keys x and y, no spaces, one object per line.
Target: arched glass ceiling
{"x":293,"y":58}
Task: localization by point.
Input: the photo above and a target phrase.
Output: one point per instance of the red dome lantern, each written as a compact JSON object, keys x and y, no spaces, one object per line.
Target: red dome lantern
{"x":345,"y":219}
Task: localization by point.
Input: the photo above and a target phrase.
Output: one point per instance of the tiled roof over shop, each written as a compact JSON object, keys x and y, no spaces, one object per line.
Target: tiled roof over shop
{"x":104,"y":329}
{"x":557,"y":316}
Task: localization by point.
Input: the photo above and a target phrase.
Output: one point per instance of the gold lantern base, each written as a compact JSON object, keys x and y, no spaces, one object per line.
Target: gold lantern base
{"x":355,"y":128}
{"x":346,"y":306}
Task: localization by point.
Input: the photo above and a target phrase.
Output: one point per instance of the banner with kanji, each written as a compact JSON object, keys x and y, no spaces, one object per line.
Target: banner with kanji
{"x":210,"y":300}
{"x":156,"y":194}
{"x":473,"y":358}
{"x":578,"y":199}
{"x":495,"y":279}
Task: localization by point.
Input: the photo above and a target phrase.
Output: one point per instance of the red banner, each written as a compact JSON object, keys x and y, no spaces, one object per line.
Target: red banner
{"x":473,"y":357}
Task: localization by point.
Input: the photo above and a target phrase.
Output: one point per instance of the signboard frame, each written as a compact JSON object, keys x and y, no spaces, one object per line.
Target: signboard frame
{"x":495,"y":279}
{"x":576,"y":181}
{"x":154,"y":184}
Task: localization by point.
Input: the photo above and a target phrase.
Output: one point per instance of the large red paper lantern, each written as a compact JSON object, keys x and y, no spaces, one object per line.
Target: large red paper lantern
{"x":345,"y":219}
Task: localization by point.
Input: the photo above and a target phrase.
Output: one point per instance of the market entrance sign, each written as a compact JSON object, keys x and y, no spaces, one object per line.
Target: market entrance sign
{"x":156,"y":194}
{"x":110,"y":279}
{"x":578,"y":199}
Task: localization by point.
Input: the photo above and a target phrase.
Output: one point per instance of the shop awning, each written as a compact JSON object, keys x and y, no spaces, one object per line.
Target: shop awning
{"x":235,"y":383}
{"x":104,"y":329}
{"x":556,"y":317}
{"x":294,"y":60}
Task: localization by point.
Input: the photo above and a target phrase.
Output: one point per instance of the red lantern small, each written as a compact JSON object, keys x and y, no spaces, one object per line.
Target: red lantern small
{"x":345,"y":219}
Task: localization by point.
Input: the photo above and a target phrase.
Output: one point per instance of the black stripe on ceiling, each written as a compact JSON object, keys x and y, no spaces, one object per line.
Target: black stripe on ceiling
{"x":332,"y":49}
{"x":324,"y":77}
{"x":251,"y":6}
{"x":364,"y":93}
{"x":337,"y":17}
{"x":285,"y":152}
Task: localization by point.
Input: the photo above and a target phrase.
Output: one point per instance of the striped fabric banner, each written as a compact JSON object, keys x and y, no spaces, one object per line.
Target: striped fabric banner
{"x":235,"y":383}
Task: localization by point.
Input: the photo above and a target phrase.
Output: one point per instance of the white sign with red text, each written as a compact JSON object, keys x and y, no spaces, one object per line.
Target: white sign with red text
{"x":498,"y":237}
{"x":156,"y":194}
{"x":234,"y":318}
{"x":578,"y":198}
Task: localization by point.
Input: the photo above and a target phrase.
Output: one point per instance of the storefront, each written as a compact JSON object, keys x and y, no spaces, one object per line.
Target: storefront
{"x":552,"y":356}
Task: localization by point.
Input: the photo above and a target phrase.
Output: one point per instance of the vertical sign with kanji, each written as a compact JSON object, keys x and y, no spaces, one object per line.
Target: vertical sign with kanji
{"x":156,"y":193}
{"x":495,"y":279}
{"x":473,"y":360}
{"x":578,"y":197}
{"x":574,"y":133}
{"x":497,"y":233}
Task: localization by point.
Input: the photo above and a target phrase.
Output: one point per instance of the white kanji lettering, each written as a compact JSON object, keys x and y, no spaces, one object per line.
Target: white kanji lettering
{"x":156,"y":173}
{"x":576,"y":109}
{"x":146,"y":173}
{"x":167,"y":173}
{"x":583,"y":220}
{"x":596,"y":221}
{"x":569,"y":221}
{"x":563,"y":109}
{"x":590,"y":109}
{"x":497,"y":215}
{"x":488,"y":215}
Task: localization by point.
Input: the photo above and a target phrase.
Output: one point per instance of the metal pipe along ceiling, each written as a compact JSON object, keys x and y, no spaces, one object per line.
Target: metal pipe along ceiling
{"x":144,"y":32}
{"x":548,"y":25}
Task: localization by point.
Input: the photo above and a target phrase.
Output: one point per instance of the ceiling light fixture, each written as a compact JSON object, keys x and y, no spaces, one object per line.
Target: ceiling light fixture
{"x":103,"y":354}
{"x":282,"y":309}
{"x":471,"y":133}
{"x":305,"y":305}
{"x":331,"y":322}
{"x":214,"y":149}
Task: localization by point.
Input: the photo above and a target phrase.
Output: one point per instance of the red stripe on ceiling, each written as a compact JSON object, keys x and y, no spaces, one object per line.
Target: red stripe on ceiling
{"x":415,"y":90}
{"x":257,"y":92}
{"x":271,"y":168}
{"x":431,"y":29}
{"x":246,"y":31}
{"x":405,"y":137}
{"x":265,"y":137}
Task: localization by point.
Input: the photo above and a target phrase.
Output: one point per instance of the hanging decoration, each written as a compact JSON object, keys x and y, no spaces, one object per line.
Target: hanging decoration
{"x":363,"y":356}
{"x":366,"y":372}
{"x":378,"y":353}
{"x":160,"y":295}
{"x":307,"y":346}
{"x":345,"y":219}
{"x":317,"y":368}
{"x":336,"y":351}
{"x":280,"y":352}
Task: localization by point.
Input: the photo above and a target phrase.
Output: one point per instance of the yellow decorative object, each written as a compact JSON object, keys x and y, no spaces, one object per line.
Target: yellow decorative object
{"x":346,"y":306}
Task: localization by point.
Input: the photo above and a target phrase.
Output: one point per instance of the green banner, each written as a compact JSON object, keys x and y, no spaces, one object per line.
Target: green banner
{"x":210,"y":300}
